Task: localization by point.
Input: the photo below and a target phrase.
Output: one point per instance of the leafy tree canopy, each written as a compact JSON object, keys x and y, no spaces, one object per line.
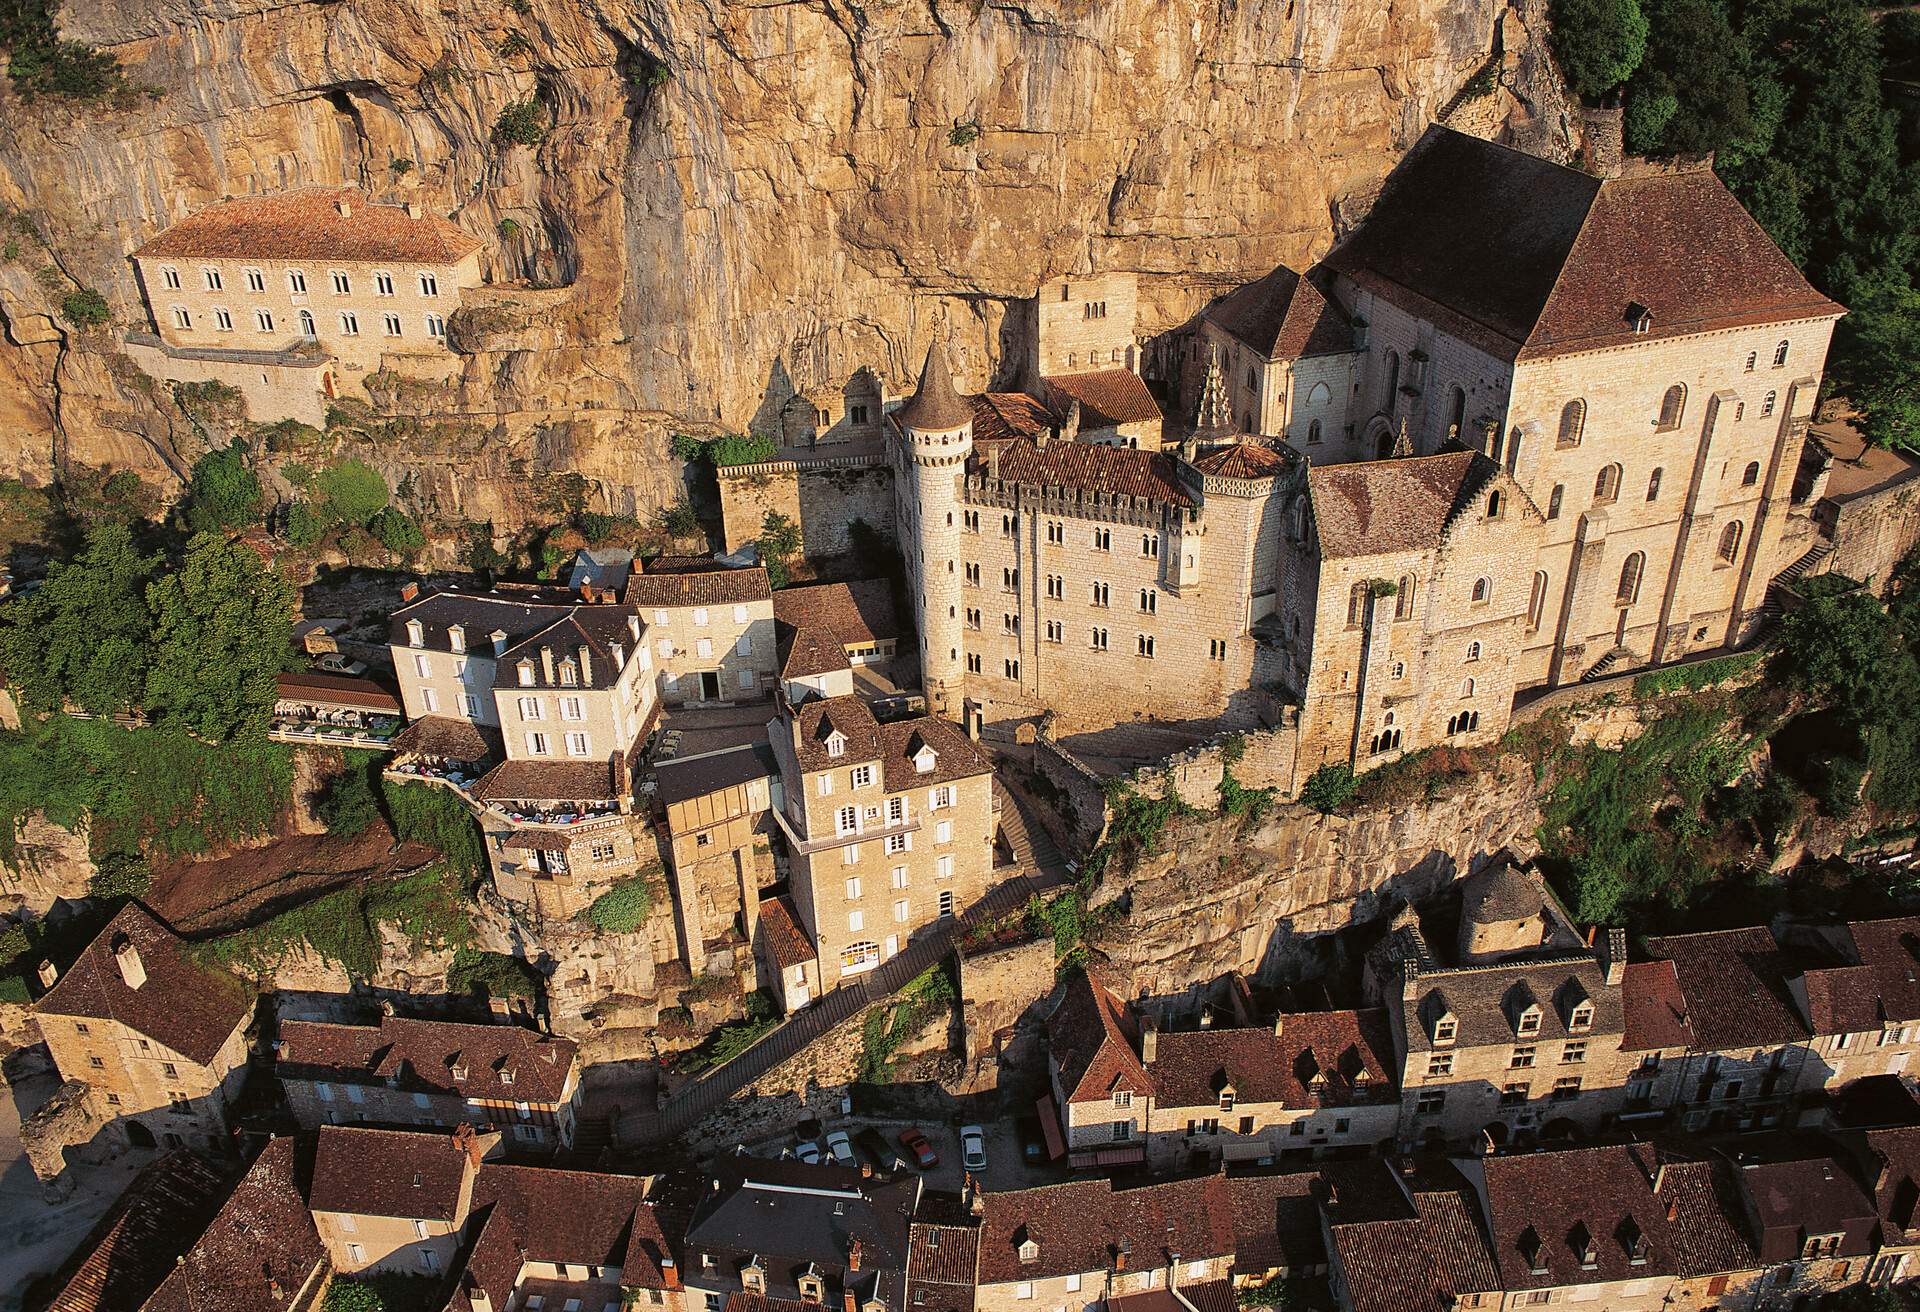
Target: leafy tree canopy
{"x":83,"y":637}
{"x":222,"y":492}
{"x":351,"y":492}
{"x":220,"y":625}
{"x":1599,"y":43}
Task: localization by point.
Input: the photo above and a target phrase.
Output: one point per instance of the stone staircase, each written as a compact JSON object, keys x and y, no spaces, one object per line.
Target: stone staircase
{"x":1606,"y":663}
{"x":1034,"y":851}
{"x":1776,"y":602}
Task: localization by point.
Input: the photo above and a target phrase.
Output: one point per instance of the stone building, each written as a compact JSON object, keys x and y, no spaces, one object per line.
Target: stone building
{"x":1815,"y":1226}
{"x":888,"y":826}
{"x":711,"y":630}
{"x":1519,"y":1034}
{"x":1287,"y":361}
{"x":159,"y":1041}
{"x":296,"y":298}
{"x":405,"y":1072}
{"x":718,"y":810}
{"x":1864,"y":1014}
{"x":1098,"y":1086}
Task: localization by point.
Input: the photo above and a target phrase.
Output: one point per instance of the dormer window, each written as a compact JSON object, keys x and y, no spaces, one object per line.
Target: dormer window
{"x":499,"y":641}
{"x":836,"y":743}
{"x":1639,"y":317}
{"x":506,"y":1075}
{"x":1581,"y":1018}
{"x":924,"y":760}
{"x":754,"y":1276}
{"x":1581,"y":1241}
{"x":416,"y":634}
{"x":812,"y":1288}
{"x":1634,"y":1240}
{"x":1445,"y":1029}
{"x":1528,"y":1023}
{"x":525,"y":670}
{"x":1534,"y":1251}
{"x":457,"y":638}
{"x":1029,"y":1247}
{"x":569,"y":674}
{"x":459,"y":1070}
{"x":1226,"y":1099}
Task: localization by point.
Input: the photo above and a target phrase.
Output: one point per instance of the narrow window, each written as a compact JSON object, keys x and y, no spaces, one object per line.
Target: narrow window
{"x":1553,"y":501}
{"x":1766,"y":404}
{"x":1752,"y":474}
{"x":296,"y":282}
{"x":1573,"y":422}
{"x":1537,"y":600}
{"x":1606,"y":487}
{"x":1653,"y":486}
{"x":1672,"y":406}
{"x":1730,"y":543}
{"x":1630,"y":571}
{"x":1780,"y":355}
{"x":1482,"y":590}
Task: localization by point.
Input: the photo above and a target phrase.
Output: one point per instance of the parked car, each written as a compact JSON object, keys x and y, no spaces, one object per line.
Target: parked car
{"x":973,"y":1147}
{"x":842,"y":1148}
{"x":1033,"y":1146}
{"x":884,"y":1156}
{"x":918,"y":1148}
{"x":808,"y":1151}
{"x":339,"y":663}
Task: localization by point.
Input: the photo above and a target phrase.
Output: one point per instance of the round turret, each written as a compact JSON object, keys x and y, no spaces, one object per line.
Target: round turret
{"x":938,"y":426}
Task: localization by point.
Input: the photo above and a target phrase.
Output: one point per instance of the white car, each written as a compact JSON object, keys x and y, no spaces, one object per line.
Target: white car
{"x":339,"y":663}
{"x":842,"y":1148}
{"x":973,"y":1147}
{"x":807,"y":1151}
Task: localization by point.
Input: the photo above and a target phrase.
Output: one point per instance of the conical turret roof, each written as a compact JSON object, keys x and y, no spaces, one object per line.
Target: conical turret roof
{"x":935,"y":406}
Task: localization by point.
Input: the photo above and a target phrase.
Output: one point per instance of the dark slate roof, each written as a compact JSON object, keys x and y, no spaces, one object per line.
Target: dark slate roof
{"x":1891,"y":950}
{"x":682,"y":779}
{"x":1276,"y":1221}
{"x":1191,"y":1067}
{"x":1526,"y":259}
{"x":387,"y":1173}
{"x":516,"y":610}
{"x":935,"y":407}
{"x":1413,"y":1251}
{"x":258,"y":1251}
{"x":1734,"y":982}
{"x":790,"y":1214}
{"x":1487,"y":999}
{"x":1081,"y":1224}
{"x":1501,"y":892}
{"x":1108,"y":397}
{"x":139,"y":1241}
{"x":1090,"y":468}
{"x":500,"y":1061}
{"x":1090,"y":1038}
{"x":595,"y":630}
{"x":1283,"y":316}
{"x":1655,"y":1009}
{"x":696,"y":582}
{"x":186,"y":1007}
{"x":1375,"y":507}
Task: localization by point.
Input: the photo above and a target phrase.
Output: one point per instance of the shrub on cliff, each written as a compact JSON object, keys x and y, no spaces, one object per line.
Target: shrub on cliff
{"x":397,"y":531}
{"x":521,"y":123}
{"x":85,"y":308}
{"x":424,"y":813}
{"x":222,"y":493}
{"x":1329,"y":788}
{"x":622,"y":908}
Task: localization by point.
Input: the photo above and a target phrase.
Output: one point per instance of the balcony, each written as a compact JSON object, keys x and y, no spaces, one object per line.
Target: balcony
{"x":804,"y":845}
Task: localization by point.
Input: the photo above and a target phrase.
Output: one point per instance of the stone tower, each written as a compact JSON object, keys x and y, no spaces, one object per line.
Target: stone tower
{"x":938,"y":423}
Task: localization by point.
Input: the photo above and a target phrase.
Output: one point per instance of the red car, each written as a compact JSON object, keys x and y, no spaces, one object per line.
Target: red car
{"x":916,"y":1143}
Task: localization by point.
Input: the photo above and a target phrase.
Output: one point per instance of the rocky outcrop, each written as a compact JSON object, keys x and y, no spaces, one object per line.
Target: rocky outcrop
{"x":733,"y":200}
{"x":1215,"y":895}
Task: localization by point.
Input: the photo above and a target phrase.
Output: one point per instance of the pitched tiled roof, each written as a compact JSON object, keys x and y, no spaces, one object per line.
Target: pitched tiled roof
{"x":1891,"y":949}
{"x":442,"y":735}
{"x":1108,"y":398}
{"x":1842,"y":999}
{"x":1080,"y":1225}
{"x":1276,"y":1221}
{"x":682,"y":582}
{"x":1191,"y":1067}
{"x":333,"y":689}
{"x":387,"y":1173}
{"x":1524,"y":259}
{"x":1411,"y":1252}
{"x":1246,"y":460}
{"x":808,"y":651}
{"x":257,"y":1253}
{"x":956,"y":756}
{"x":1487,"y":1001}
{"x":941,"y":1266}
{"x":787,"y":943}
{"x":549,"y":781}
{"x":934,"y":406}
{"x":142,"y":1236}
{"x":1375,"y":507}
{"x":1735,"y":985}
{"x":1655,"y":1009}
{"x":1894,"y":1166}
{"x":1090,"y":1037}
{"x":683,"y":779}
{"x":1087,"y":467}
{"x":1808,"y":1195}
{"x":594,"y":641}
{"x":306,"y":224}
{"x":585,"y":1218}
{"x":189,"y":1008}
{"x":851,"y":614}
{"x":1283,"y":316}
{"x":1001,"y":415}
{"x":498,"y":1061}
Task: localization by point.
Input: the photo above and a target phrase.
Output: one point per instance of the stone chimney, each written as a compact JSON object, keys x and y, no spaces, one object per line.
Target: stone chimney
{"x":1070,"y":427}
{"x":993,"y":461}
{"x":633,"y":626}
{"x":1122,"y":1250}
{"x":586,"y":666}
{"x":499,"y":642}
{"x":1149,"y":1038}
{"x":414,"y":211}
{"x":408,"y":591}
{"x":853,"y":1249}
{"x":344,"y":208}
{"x":467,"y":1143}
{"x":1278,"y":1023}
{"x":478,"y":1299}
{"x":127,"y":957}
{"x":669,"y":1273}
{"x":546,"y":665}
{"x":48,"y":974}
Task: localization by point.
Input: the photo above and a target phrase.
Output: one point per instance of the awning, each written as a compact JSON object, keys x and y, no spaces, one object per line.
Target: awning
{"x":1131,"y":1155}
{"x":533,"y":840}
{"x":1050,"y":1128}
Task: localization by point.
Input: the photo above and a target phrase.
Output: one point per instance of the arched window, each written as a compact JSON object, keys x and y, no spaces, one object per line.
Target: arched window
{"x":1607,"y":486}
{"x":1730,"y":543}
{"x":1482,"y":590}
{"x":1553,"y":501}
{"x":1388,"y":720}
{"x":1751,"y":475}
{"x":1739,"y":411}
{"x":1630,"y":571}
{"x":1766,"y":404}
{"x":1356,"y":605}
{"x":1753,"y":358}
{"x":1653,"y":486}
{"x":1473,"y":652}
{"x":1672,"y":406}
{"x":1780,"y":355}
{"x":1403,"y":600}
{"x":306,"y":323}
{"x":1466,"y":687}
{"x":1513,"y":451}
{"x":1537,"y":600}
{"x":1319,"y":394}
{"x":1313,"y":433}
{"x":1573,"y":420}
{"x":1393,"y":380}
{"x":1493,"y":504}
{"x":1459,"y":411}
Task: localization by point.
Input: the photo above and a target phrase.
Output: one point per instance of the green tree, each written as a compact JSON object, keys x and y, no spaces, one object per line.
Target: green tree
{"x":1599,"y":43}
{"x":678,"y":520}
{"x":1878,"y":363}
{"x":1690,"y":91}
{"x":779,"y":543}
{"x":350,"y":804}
{"x":397,"y":531}
{"x":222,"y":493}
{"x":82,"y":637}
{"x":220,"y":626}
{"x":303,"y":527}
{"x":85,"y":308}
{"x":352,"y":492}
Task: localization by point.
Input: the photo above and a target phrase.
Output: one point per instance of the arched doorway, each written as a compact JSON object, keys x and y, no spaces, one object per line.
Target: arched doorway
{"x":139,"y":1136}
{"x":1559,"y":1130}
{"x":1494,"y":1136}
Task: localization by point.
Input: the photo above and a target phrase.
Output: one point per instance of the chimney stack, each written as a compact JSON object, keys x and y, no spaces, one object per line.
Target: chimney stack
{"x":1279,"y":1024}
{"x":546,"y":664}
{"x":408,"y":591}
{"x":853,"y":1249}
{"x":344,"y":207}
{"x":1149,"y":1038}
{"x":669,"y":1273}
{"x":48,"y":974}
{"x":127,"y":957}
{"x":413,"y":210}
{"x":586,"y":666}
{"x":1120,"y":1253}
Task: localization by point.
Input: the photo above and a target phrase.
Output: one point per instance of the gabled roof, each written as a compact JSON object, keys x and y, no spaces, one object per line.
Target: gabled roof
{"x":1526,"y":259}
{"x":1894,"y":1167}
{"x":943,"y":1259}
{"x":1407,"y":1246}
{"x":552,"y":781}
{"x":1656,"y":1010}
{"x":259,"y":1250}
{"x":808,"y":651}
{"x":1808,"y":1194}
{"x":1734,"y":982}
{"x":306,"y":224}
{"x":1891,"y":950}
{"x":1486,"y":1001}
{"x":786,"y":942}
{"x":517,"y":611}
{"x":1091,"y":1039}
{"x":1276,"y":1221}
{"x":1086,"y":467}
{"x":585,"y":1218}
{"x":142,"y":1237}
{"x":1001,"y":415}
{"x":686,"y":581}
{"x":851,"y":614}
{"x":1378,"y":507}
{"x":494,"y":1061}
{"x":1283,"y":316}
{"x":1080,"y":1225}
{"x":182,"y":1005}
{"x":596,"y":629}
{"x":1108,"y":397}
{"x":393,"y":1173}
{"x":791,"y":1215}
{"x":1191,"y":1067}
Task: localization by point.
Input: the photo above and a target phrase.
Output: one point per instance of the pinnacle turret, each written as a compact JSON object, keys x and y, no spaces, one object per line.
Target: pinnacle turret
{"x":935,"y":406}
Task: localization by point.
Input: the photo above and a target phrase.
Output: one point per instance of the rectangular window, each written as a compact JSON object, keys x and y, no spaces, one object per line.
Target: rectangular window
{"x":853,"y":889}
{"x":392,"y":324}
{"x":383,"y":284}
{"x":532,"y":709}
{"x":578,"y":744}
{"x":222,"y":320}
{"x":429,"y":285}
{"x":263,"y":320}
{"x":537,"y":744}
{"x":422,"y":666}
{"x":898,"y":843}
{"x":1431,"y":1101}
{"x":900,"y":911}
{"x":256,"y":282}
{"x":1573,"y":1053}
{"x":1521,"y":1059}
{"x":900,"y":877}
{"x":356,"y":1253}
{"x":847,"y":819}
{"x":943,"y":867}
{"x":862,"y":776}
{"x":570,"y":708}
{"x":430,"y":699}
{"x":943,"y":832}
{"x":1441,"y":1063}
{"x":946,"y":902}
{"x":940,"y":798}
{"x":856,"y":921}
{"x":850,"y":854}
{"x":1073,"y":1283}
{"x":296,"y":282}
{"x":342,"y":285}
{"x":1566,"y":1089}
{"x":896,"y":810}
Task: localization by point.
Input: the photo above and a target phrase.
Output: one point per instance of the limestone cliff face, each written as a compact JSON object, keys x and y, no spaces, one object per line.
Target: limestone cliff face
{"x":1216,"y":897}
{"x":815,"y":186}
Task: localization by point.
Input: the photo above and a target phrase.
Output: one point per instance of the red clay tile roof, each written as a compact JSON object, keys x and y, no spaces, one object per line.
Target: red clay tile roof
{"x":137,"y":1243}
{"x":548,"y":781}
{"x":1276,"y":1221}
{"x":1080,"y":1224}
{"x":1897,"y":1194}
{"x":786,"y":941}
{"x":444,"y":736}
{"x":306,"y":224}
{"x":1418,"y":1257}
{"x":578,"y":1217}
{"x":1891,"y":949}
{"x":1842,"y":999}
{"x":934,"y":406}
{"x":894,"y":745}
{"x":1108,"y":398}
{"x":189,"y":1008}
{"x":386,"y":1173}
{"x":420,"y":1056}
{"x":700,"y":583}
{"x":998,"y":416}
{"x":334,"y":690}
{"x":1090,"y":467}
{"x":258,"y":1252}
{"x":1373,"y":507}
{"x":1735,"y":985}
{"x":1655,"y":1010}
{"x":1091,"y":1039}
{"x":1246,"y":460}
{"x":1191,"y":1067}
{"x":942,"y":1262}
{"x":851,"y":614}
{"x":1283,"y":316}
{"x":1812,"y":1195}
{"x":1525,"y":259}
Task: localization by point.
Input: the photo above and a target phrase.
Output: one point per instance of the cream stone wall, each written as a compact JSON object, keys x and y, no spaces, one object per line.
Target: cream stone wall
{"x":401,"y":1245}
{"x":1089,"y":1289}
{"x":608,"y":719}
{"x":1481,"y":1074}
{"x":135,"y":1078}
{"x":316,"y":1102}
{"x":1086,"y":324}
{"x":1485,"y":382}
{"x":271,"y":389}
{"x":1263,"y":1131}
{"x":929,"y":471}
{"x":597,"y":854}
{"x":733,"y":641}
{"x":456,"y":685}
